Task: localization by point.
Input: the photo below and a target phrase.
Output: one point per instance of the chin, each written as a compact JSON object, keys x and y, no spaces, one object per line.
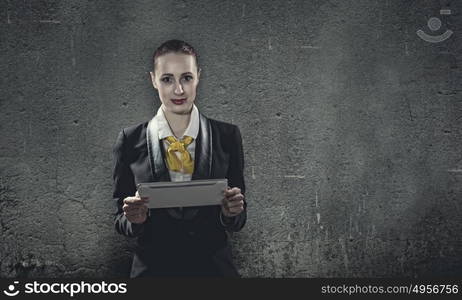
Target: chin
{"x":181,"y":110}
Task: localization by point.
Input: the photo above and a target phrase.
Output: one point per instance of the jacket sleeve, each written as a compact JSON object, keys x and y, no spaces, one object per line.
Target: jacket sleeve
{"x":236,"y":179}
{"x":124,"y":186}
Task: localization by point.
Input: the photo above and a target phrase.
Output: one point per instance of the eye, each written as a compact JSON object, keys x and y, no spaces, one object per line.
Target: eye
{"x":166,"y":79}
{"x":188,"y":77}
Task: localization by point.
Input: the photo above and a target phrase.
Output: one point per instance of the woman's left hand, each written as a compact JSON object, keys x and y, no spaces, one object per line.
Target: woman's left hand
{"x":233,"y":202}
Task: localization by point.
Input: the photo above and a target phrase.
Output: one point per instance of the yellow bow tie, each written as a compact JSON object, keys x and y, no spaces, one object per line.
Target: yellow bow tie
{"x":186,"y":164}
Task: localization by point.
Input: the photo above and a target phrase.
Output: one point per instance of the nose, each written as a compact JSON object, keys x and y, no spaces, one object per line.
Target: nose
{"x":178,"y":88}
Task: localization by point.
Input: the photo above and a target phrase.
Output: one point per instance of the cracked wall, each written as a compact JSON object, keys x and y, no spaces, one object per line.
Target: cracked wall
{"x":350,"y":121}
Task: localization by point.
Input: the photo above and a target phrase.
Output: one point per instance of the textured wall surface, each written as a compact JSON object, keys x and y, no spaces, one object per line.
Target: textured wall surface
{"x":351,"y":126}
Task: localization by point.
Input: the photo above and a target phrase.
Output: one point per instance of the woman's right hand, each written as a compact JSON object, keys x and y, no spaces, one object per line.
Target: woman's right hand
{"x":135,"y":208}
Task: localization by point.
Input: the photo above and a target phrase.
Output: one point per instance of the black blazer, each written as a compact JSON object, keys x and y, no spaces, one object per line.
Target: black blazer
{"x":174,"y":242}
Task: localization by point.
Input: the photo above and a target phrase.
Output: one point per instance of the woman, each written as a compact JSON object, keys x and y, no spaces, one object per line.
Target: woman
{"x":179,"y":144}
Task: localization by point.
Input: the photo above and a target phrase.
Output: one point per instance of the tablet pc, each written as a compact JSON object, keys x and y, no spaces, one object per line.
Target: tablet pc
{"x":183,"y":193}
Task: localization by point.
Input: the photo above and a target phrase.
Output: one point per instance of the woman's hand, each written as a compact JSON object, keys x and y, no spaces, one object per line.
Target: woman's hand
{"x":135,"y":209}
{"x":233,"y":202}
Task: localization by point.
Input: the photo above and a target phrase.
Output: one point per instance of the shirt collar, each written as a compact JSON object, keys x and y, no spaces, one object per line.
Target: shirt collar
{"x":164,"y":128}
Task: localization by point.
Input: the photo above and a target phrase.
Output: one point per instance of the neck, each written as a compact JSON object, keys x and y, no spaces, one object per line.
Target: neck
{"x":178,"y":122}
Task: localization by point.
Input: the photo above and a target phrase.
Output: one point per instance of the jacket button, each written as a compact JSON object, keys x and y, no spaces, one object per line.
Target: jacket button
{"x":191,"y":233}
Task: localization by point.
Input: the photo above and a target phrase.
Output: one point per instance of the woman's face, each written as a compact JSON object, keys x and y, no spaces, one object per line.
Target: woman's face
{"x":175,"y":78}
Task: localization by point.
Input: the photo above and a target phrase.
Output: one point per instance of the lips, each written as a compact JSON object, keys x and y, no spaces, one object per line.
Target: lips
{"x":179,"y":101}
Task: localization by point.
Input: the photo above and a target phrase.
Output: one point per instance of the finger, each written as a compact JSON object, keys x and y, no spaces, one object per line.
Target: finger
{"x":229,"y":206}
{"x":235,"y":204}
{"x":226,"y":189}
{"x":233,"y":191}
{"x":131,"y":210}
{"x":131,"y":200}
{"x":238,"y":197}
{"x":232,"y":201}
{"x":132,"y":215}
{"x":236,"y":210}
{"x":229,"y":192}
{"x":131,"y":207}
{"x":136,"y":201}
{"x":126,"y":207}
{"x":231,"y":214}
{"x":135,"y":213}
{"x":142,"y":198}
{"x":137,"y":196}
{"x":225,"y":203}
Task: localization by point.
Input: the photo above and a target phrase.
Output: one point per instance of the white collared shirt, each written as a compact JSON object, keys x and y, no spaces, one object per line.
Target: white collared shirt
{"x":164,"y":131}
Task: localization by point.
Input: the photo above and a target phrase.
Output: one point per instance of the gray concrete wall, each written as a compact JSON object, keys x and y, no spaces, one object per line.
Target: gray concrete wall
{"x":351,"y":126}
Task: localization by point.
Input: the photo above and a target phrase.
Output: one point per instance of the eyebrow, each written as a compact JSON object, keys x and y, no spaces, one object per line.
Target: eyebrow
{"x":170,"y":74}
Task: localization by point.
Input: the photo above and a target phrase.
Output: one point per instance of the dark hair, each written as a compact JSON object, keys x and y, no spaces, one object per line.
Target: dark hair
{"x":175,"y":46}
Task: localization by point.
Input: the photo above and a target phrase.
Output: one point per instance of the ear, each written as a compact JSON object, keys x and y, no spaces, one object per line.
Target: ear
{"x":153,"y":79}
{"x":199,"y":73}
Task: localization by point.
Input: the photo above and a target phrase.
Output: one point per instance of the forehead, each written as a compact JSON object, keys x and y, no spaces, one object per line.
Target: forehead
{"x":175,"y":63}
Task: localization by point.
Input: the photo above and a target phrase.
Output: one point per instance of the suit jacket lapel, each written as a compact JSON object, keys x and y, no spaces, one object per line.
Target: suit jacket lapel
{"x":156,"y":153}
{"x":203,"y":152}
